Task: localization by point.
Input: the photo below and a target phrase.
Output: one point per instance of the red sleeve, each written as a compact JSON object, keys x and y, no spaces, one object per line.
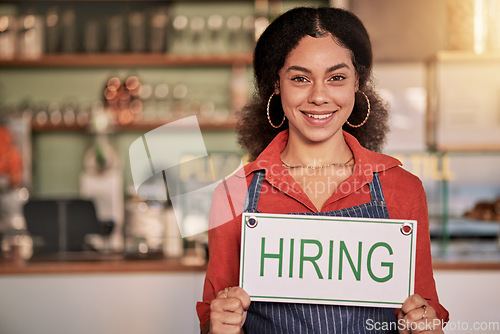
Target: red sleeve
{"x":406,"y":199}
{"x":224,"y":238}
{"x":424,"y":276}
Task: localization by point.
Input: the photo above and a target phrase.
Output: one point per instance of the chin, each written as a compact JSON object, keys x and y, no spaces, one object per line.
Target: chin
{"x":319,"y":136}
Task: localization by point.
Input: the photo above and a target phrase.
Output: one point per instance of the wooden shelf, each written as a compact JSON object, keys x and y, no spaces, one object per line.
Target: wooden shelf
{"x":129,"y":59}
{"x":138,"y":126}
{"x":204,"y":124}
{"x":57,"y":128}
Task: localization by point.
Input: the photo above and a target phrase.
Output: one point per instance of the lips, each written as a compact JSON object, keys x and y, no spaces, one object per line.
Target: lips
{"x":318,"y":116}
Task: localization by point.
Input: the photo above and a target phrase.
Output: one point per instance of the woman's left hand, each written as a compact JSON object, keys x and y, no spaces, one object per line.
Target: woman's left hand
{"x":417,"y":316}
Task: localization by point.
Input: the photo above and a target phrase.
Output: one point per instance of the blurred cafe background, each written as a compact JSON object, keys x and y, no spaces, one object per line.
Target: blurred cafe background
{"x":85,"y":249}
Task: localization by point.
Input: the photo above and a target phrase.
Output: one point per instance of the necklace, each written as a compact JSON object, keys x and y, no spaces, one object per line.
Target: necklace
{"x":340,"y":164}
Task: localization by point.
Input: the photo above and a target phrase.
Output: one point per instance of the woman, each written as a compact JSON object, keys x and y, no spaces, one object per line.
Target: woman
{"x":308,"y":132}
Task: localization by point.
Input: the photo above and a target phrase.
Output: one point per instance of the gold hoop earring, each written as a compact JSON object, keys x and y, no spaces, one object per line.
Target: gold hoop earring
{"x":367,"y":112}
{"x":269,"y":116}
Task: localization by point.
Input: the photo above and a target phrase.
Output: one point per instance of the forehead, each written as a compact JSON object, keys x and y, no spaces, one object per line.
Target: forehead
{"x":319,"y":52}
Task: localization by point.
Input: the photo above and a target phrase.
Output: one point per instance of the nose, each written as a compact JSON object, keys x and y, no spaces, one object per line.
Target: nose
{"x":318,"y":94}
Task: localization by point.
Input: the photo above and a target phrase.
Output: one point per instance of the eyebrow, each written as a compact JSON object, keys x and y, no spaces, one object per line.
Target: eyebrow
{"x":330,"y":69}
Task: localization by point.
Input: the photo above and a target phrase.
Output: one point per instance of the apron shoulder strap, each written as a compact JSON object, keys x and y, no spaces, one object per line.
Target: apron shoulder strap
{"x":253,"y":193}
{"x":376,"y":192}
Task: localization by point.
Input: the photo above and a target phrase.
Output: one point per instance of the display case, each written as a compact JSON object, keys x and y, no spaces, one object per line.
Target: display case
{"x":463,"y":136}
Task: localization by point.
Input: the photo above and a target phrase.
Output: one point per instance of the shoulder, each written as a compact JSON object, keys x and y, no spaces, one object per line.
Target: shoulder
{"x":228,"y":199}
{"x":368,"y":161}
{"x":404,"y":193}
{"x":235,"y":185}
{"x":400,"y":179}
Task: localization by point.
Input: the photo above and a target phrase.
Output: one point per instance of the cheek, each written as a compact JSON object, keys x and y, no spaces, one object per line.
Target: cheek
{"x":342,"y":93}
{"x":291,"y":99}
{"x":344,"y":97}
{"x":349,"y":100}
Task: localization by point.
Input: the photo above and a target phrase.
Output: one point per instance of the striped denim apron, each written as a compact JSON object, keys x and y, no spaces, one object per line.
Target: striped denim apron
{"x":272,"y":317}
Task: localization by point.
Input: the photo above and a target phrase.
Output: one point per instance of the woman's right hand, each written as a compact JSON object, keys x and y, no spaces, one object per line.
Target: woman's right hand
{"x":229,"y":310}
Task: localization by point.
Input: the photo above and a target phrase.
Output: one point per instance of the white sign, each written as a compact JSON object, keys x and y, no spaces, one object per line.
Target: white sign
{"x":327,"y":260}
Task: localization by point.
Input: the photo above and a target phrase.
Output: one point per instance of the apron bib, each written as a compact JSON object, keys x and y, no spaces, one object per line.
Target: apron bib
{"x":287,"y":318}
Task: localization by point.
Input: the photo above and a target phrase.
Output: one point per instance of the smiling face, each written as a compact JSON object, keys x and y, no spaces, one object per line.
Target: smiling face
{"x":317,"y":87}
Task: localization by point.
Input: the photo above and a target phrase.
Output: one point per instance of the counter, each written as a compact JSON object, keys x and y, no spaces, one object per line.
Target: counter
{"x":114,"y":295}
{"x":83,"y":264}
{"x":465,"y":265}
{"x":107,"y":295}
{"x":118,"y":264}
{"x":103,"y":264}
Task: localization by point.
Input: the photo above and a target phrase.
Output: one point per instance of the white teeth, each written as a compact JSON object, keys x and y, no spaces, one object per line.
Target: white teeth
{"x":319,"y":116}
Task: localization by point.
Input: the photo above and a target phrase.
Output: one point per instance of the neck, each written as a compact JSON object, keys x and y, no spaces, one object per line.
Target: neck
{"x":307,"y":153}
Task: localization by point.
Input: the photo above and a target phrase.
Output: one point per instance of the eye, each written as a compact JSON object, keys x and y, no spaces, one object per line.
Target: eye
{"x":337,"y":77}
{"x":299,"y":78}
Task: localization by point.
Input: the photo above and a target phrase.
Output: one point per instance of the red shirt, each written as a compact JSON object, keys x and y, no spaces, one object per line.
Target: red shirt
{"x":403,"y":192}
